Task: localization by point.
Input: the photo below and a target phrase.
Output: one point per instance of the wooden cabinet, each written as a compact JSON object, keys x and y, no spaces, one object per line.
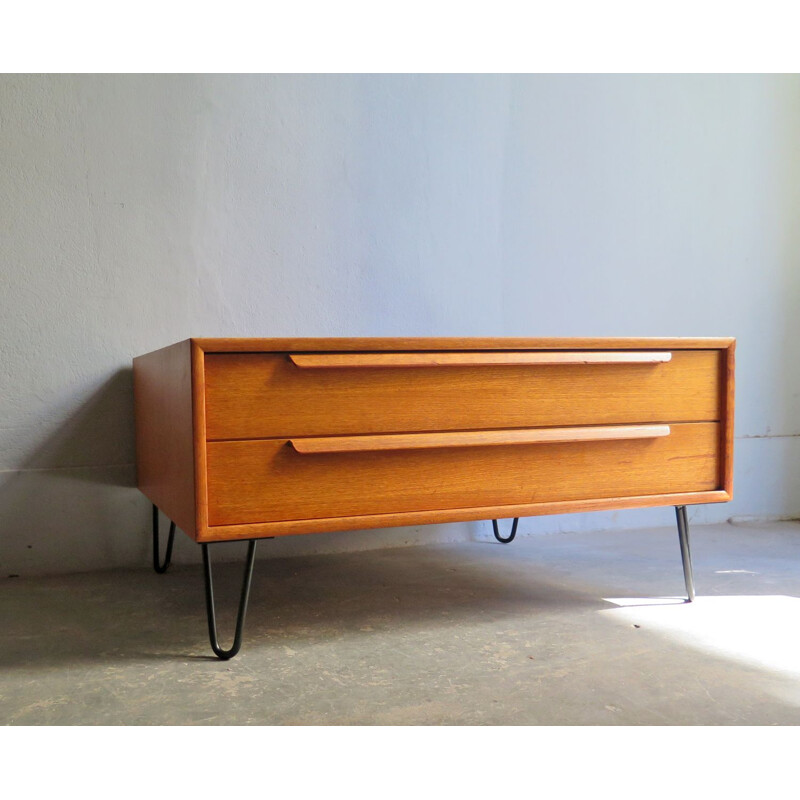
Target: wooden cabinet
{"x":252,"y":438}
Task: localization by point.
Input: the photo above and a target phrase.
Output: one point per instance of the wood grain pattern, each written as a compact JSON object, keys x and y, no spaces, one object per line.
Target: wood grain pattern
{"x":165,"y":464}
{"x":350,"y":344}
{"x":224,"y":533}
{"x":728,"y":428}
{"x":262,"y":395}
{"x":502,"y":438}
{"x":199,"y":439}
{"x":467,"y":359}
{"x":266,"y":480}
{"x":173,"y":460}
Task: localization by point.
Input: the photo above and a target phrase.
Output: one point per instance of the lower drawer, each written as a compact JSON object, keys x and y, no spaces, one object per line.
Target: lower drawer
{"x":267,"y":480}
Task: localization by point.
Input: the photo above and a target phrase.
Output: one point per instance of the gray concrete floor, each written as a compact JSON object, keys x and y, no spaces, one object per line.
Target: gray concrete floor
{"x":463,"y":634}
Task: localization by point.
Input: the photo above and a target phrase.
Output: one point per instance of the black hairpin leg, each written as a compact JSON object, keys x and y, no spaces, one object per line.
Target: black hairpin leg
{"x":510,"y":537}
{"x":686,"y":556}
{"x":212,"y":620}
{"x":157,"y":565}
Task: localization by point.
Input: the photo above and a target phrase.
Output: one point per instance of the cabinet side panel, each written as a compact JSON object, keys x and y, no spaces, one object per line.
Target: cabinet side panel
{"x":162,"y":386}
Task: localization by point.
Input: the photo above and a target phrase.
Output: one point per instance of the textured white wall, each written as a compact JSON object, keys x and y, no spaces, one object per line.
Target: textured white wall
{"x":136,"y":211}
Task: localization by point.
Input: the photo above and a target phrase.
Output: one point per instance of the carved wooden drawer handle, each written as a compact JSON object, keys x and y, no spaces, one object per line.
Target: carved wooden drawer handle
{"x":417,"y":441}
{"x":494,"y":359}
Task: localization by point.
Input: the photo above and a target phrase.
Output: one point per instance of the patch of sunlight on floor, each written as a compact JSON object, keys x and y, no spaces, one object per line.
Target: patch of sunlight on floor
{"x":755,"y":630}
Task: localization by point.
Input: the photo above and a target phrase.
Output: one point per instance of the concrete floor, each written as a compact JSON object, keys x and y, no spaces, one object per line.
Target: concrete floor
{"x":462,"y":634}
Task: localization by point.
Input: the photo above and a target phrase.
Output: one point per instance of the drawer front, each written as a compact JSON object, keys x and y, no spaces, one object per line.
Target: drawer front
{"x":269,"y":480}
{"x":262,"y":395}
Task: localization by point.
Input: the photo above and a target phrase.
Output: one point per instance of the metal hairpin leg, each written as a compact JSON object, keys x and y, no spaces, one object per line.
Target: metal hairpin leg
{"x":212,"y":620}
{"x":510,"y":537}
{"x":157,"y":565}
{"x":686,"y":556}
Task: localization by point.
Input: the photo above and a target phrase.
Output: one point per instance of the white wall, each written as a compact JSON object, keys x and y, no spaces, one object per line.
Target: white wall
{"x":138,"y":211}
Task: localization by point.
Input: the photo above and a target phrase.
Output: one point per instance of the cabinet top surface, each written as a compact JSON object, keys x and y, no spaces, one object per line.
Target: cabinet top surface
{"x":244,"y":345}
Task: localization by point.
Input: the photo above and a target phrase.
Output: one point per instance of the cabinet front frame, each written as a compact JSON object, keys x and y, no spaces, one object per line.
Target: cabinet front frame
{"x":199,"y":347}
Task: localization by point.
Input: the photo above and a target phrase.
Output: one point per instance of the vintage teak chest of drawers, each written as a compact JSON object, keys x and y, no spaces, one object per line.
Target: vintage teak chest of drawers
{"x":241,"y":439}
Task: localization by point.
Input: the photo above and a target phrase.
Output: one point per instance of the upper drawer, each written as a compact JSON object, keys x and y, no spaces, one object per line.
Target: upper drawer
{"x":262,"y":395}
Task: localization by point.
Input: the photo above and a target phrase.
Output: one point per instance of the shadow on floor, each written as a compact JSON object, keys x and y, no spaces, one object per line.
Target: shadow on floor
{"x":140,"y":616}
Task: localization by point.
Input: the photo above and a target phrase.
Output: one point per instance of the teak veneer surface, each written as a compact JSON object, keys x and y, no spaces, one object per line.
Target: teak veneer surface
{"x":214,"y":418}
{"x":165,"y":442}
{"x":254,"y":530}
{"x":469,"y":359}
{"x":265,"y":480}
{"x":426,"y":441}
{"x":458,"y":343}
{"x":259,"y":395}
